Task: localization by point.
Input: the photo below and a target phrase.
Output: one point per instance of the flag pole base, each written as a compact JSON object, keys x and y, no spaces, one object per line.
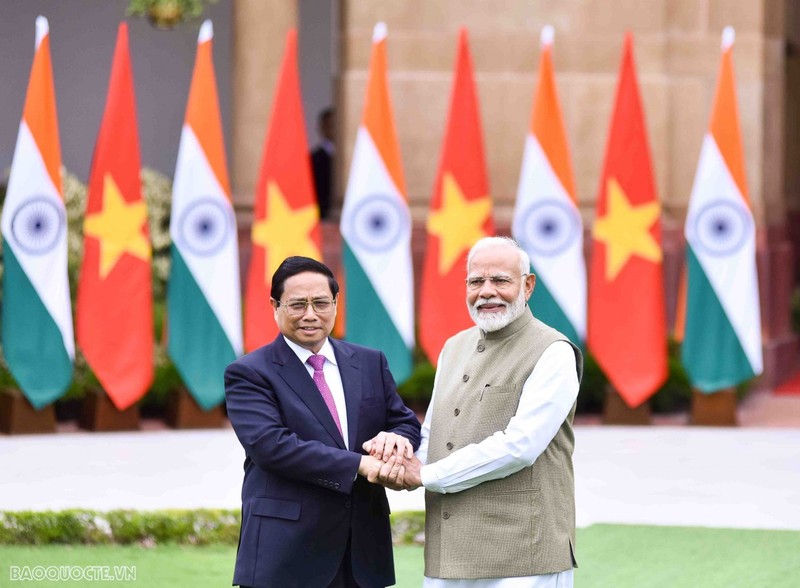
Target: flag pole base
{"x":714,"y":410}
{"x":616,"y":412}
{"x":183,"y":412}
{"x":99,"y":414}
{"x":19,"y":417}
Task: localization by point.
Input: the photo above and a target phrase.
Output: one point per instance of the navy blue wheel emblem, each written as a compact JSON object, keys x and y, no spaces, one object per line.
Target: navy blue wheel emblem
{"x":37,"y":225}
{"x":547,"y":228}
{"x":722,"y":227}
{"x":379,"y":222}
{"x":204,"y":226}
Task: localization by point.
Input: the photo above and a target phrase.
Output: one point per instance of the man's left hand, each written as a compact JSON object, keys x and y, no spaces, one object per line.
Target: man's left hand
{"x":384,"y":444}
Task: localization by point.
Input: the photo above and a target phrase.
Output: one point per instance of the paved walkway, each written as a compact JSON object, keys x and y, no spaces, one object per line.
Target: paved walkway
{"x":666,"y":475}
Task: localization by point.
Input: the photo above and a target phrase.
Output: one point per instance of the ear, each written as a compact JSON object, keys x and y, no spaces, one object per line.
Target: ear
{"x":274,"y":304}
{"x":530,"y":284}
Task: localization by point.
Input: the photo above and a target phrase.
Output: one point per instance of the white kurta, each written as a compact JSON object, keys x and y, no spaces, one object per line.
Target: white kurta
{"x":546,"y":400}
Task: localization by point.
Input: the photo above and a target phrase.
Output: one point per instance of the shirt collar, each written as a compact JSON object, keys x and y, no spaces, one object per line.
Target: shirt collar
{"x":303,"y":354}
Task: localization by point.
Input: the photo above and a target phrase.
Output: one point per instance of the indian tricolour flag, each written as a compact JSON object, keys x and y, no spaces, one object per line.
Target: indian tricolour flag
{"x":546,"y":218}
{"x":376,"y":227}
{"x":37,"y":331}
{"x":203,"y":299}
{"x":722,"y":336}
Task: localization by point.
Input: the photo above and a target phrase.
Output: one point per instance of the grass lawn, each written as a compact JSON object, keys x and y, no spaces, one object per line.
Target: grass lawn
{"x":612,"y":556}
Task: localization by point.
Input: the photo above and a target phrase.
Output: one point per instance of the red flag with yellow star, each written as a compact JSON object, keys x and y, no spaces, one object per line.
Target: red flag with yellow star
{"x":460,"y":214}
{"x":114,"y":314}
{"x":286,"y":218}
{"x":627,"y":327}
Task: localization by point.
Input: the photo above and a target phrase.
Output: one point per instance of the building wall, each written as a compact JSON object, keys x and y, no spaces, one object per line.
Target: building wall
{"x":677,"y":52}
{"x":677,"y":55}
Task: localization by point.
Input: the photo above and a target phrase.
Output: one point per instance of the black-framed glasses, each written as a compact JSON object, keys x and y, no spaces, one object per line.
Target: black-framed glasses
{"x":500,"y":282}
{"x":299,"y":307}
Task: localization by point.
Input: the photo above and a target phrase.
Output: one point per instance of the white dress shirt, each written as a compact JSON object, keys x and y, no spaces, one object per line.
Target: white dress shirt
{"x":547,"y":398}
{"x":330,"y":370}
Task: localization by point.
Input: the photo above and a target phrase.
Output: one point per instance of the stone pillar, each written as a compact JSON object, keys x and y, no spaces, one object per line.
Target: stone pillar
{"x":259,"y":36}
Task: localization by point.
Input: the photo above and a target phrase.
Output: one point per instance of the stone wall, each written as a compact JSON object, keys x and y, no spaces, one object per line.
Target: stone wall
{"x":677,"y":53}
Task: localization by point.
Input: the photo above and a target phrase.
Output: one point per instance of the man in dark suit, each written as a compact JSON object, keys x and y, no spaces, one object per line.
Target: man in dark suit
{"x":302,"y":407}
{"x":322,"y":162}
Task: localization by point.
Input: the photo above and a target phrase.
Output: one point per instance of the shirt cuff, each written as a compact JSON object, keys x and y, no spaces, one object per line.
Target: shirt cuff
{"x":430,"y":480}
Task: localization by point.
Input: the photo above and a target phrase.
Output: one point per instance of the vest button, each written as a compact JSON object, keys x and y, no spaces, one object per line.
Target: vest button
{"x":465,"y":377}
{"x":456,"y":412}
{"x":445,"y":515}
{"x":449,"y":445}
{"x":481,"y":347}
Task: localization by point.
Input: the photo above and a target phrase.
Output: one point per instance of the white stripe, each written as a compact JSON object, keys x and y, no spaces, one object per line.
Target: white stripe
{"x":217,"y":275}
{"x":206,"y":32}
{"x":733,"y":277}
{"x":563,"y":272}
{"x":389,"y":271}
{"x":29,"y":179}
{"x":42,"y":30}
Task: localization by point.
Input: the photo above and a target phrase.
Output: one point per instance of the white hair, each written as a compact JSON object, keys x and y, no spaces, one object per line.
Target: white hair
{"x":487,"y":242}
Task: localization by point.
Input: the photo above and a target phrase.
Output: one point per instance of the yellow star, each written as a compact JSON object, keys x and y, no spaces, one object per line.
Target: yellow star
{"x":284,"y":231}
{"x":118,"y":226}
{"x":625,"y":230}
{"x":458,"y":222}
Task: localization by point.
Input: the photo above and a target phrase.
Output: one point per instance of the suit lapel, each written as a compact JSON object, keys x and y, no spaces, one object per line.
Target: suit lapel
{"x":350,"y":372}
{"x":296,"y":375}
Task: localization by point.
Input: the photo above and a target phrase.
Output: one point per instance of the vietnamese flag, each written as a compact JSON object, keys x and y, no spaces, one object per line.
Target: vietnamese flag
{"x":114,"y":314}
{"x":460,"y":214}
{"x":627,"y":332}
{"x":286,"y":219}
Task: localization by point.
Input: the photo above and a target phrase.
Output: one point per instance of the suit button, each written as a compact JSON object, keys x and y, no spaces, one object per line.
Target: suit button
{"x":449,"y":446}
{"x":445,"y":515}
{"x":465,"y":377}
{"x":456,"y":412}
{"x":347,"y":504}
{"x":481,"y":347}
{"x":336,"y":485}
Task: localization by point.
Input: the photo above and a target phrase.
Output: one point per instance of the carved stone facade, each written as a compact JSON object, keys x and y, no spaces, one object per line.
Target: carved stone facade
{"x":677,"y":53}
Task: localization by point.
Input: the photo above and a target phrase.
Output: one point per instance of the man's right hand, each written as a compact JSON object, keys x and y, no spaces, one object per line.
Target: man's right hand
{"x":389,"y":474}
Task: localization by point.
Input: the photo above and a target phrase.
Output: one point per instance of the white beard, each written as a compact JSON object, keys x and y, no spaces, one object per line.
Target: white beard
{"x":496,"y":321}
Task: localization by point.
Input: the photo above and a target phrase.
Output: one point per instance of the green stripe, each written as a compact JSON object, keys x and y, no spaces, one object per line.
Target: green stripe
{"x":711,"y":351}
{"x":544,"y":307}
{"x":366,"y":320}
{"x":197,"y":344}
{"x":32,"y":342}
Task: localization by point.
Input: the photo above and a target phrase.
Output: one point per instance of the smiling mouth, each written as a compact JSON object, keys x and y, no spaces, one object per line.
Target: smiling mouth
{"x":491,"y":307}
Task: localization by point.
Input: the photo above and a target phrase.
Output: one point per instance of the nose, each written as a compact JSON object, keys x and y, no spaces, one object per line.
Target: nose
{"x":309,"y":314}
{"x":487,"y":290}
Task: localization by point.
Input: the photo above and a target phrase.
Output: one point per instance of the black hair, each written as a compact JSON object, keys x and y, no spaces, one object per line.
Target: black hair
{"x":324,"y":114}
{"x":291,"y":266}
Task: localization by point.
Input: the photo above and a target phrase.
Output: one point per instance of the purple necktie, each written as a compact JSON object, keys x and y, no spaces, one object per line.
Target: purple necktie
{"x":317,"y":361}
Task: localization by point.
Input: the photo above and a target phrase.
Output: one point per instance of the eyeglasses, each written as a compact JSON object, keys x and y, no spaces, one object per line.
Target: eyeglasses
{"x":299,"y":308}
{"x":499,"y":282}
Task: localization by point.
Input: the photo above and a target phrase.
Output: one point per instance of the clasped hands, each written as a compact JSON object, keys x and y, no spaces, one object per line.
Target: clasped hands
{"x":390,"y":461}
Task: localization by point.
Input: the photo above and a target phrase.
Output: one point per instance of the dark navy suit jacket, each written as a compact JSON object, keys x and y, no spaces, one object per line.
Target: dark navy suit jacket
{"x":301,"y":500}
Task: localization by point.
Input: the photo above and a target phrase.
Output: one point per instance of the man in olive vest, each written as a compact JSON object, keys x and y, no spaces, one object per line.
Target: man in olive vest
{"x":498,"y":439}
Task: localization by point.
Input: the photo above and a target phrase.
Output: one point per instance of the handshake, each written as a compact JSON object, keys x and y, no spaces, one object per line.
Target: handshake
{"x":390,"y":461}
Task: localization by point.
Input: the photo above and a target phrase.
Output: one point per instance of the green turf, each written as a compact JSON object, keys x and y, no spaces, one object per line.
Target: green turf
{"x":613,"y":556}
{"x":619,"y":556}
